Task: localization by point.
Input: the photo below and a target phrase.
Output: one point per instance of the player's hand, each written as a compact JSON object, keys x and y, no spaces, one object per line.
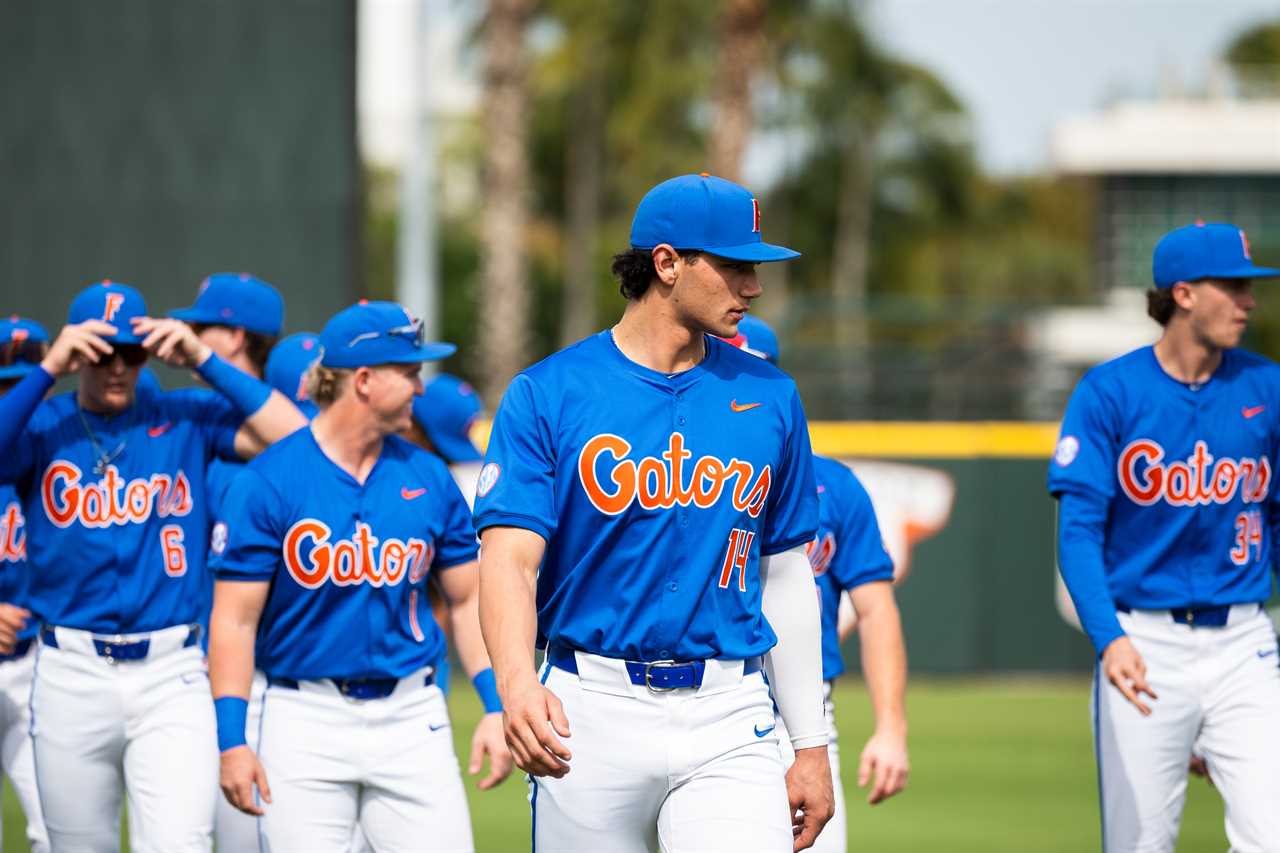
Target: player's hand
{"x":77,"y":345}
{"x":489,"y":738}
{"x":1200,"y":767}
{"x":1125,"y":669}
{"x":12,"y":620}
{"x":810,"y":793}
{"x":241,"y":773}
{"x":884,"y":760}
{"x":172,"y":341}
{"x":531,"y":721}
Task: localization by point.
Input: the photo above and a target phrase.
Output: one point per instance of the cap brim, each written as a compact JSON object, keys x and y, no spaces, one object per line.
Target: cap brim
{"x":454,"y":448}
{"x":759,"y":253}
{"x":123,"y":337}
{"x":190,"y":315}
{"x":1247,"y":272}
{"x":16,"y":371}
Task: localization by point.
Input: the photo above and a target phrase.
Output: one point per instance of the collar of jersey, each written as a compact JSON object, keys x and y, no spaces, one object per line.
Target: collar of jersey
{"x":341,"y":473}
{"x":1209,"y":386}
{"x":673,"y":381}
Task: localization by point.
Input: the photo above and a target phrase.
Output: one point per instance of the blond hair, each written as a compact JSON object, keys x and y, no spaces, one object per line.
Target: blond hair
{"x":325,"y":384}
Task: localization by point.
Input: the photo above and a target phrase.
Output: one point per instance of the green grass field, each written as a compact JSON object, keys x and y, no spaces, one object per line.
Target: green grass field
{"x":996,"y":766}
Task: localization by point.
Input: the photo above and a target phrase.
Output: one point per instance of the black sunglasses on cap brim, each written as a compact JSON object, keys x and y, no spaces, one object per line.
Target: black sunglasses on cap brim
{"x":133,"y":355}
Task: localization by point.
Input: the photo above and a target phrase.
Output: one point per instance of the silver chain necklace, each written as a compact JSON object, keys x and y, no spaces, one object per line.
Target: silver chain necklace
{"x":104,"y":458}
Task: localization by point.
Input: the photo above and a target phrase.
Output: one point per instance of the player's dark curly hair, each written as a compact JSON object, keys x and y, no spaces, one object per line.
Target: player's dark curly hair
{"x":1160,"y":304}
{"x":634,"y":269}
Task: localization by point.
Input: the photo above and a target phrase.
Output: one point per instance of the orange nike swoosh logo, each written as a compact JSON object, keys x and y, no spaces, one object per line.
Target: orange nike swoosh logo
{"x":743,"y":407}
{"x":410,"y":494}
{"x":157,"y":431}
{"x":1249,"y":412}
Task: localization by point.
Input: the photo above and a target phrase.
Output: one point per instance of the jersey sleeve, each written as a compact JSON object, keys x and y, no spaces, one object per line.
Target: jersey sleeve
{"x":860,"y":556}
{"x":253,"y":519}
{"x":517,"y":483}
{"x":1085,"y":457}
{"x":792,"y":508}
{"x":19,"y":425}
{"x":456,"y":545}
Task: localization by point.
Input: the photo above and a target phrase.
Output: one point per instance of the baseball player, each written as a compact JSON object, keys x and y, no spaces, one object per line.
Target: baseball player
{"x":23,"y":344}
{"x":442,"y":417}
{"x":848,"y":556}
{"x":1166,"y":513}
{"x":112,"y":489}
{"x":329,"y":538}
{"x":287,"y":367}
{"x":239,"y":317}
{"x":644,"y":508}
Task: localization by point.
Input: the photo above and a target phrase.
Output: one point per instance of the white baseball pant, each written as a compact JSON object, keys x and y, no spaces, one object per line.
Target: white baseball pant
{"x":15,"y":742}
{"x":104,"y":727}
{"x":1219,"y":687}
{"x":834,"y":837}
{"x":386,"y":766}
{"x":692,"y":769}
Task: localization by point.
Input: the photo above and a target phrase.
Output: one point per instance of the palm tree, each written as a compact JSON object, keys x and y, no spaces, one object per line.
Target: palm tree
{"x":504,"y":279}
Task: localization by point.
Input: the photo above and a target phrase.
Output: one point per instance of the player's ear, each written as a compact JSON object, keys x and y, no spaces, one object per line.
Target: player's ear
{"x":1184,"y":295}
{"x":361,"y":379}
{"x":665,"y":261}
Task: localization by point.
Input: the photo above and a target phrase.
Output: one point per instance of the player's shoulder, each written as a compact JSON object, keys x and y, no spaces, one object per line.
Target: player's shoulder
{"x":424,"y":462}
{"x":298,"y":447}
{"x":838,"y":479}
{"x":1119,"y":377}
{"x":1240,"y":361}
{"x":730,"y":363}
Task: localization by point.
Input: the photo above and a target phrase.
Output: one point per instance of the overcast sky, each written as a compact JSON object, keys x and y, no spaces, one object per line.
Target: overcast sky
{"x":1022,"y":65}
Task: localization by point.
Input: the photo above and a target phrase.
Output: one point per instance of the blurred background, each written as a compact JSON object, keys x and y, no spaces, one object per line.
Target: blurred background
{"x":976,"y":186}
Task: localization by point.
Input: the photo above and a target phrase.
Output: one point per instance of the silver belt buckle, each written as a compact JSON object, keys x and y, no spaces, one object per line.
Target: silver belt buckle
{"x":648,"y":676}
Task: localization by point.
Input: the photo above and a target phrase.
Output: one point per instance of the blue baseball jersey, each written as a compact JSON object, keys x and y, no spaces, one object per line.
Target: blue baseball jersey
{"x":1185,"y":472}
{"x":847,"y":552}
{"x":217,"y":482}
{"x":119,"y":549}
{"x":656,"y":494}
{"x":15,"y":579}
{"x":347,"y":563}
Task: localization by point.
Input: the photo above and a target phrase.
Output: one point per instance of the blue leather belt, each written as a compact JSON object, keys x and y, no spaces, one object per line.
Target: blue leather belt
{"x":656,"y":675}
{"x":354,"y":688}
{"x":20,"y":650}
{"x":1196,"y":617}
{"x":114,"y":650}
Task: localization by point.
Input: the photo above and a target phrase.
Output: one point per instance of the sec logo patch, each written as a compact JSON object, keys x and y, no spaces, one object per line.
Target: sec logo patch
{"x":488,"y":479}
{"x":218,"y":538}
{"x":1066,"y":451}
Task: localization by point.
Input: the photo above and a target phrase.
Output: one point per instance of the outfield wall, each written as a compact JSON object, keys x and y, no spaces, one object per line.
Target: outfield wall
{"x":977,"y":591}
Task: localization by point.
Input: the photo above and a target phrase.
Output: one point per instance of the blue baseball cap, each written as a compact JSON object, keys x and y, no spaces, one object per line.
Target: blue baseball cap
{"x":755,"y":336}
{"x":288,"y":363}
{"x":1205,"y":250}
{"x":706,"y":213}
{"x":23,"y":344}
{"x":445,"y":410}
{"x":370,"y":333}
{"x":110,"y":302}
{"x":236,"y":299}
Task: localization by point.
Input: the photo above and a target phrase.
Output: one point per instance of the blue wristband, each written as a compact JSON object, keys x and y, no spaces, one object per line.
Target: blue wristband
{"x":486,"y":685}
{"x":231,"y":712}
{"x":245,"y":393}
